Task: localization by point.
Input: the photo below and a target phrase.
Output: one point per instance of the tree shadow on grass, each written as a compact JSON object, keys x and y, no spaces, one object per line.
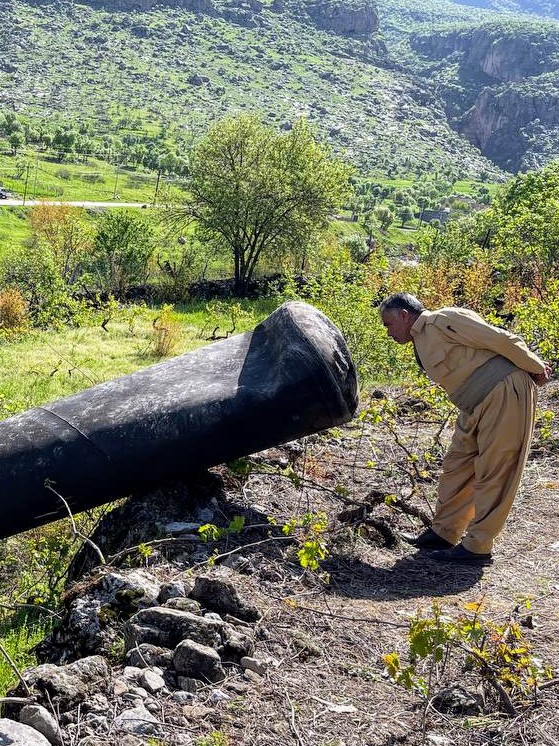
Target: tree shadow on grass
{"x":409,"y":577}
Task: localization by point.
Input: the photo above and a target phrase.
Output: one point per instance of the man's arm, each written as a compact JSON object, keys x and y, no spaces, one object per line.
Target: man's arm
{"x":469,"y":329}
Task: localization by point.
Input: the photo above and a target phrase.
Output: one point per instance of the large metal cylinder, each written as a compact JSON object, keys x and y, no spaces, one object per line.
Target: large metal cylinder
{"x":291,"y":376}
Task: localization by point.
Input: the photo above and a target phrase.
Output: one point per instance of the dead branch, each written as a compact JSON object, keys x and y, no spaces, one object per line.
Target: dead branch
{"x":75,"y":531}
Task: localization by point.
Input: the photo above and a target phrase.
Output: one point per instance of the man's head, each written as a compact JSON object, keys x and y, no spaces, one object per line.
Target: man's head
{"x":399,"y":313}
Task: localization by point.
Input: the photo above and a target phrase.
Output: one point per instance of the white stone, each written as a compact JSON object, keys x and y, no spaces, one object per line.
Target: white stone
{"x":151,"y":681}
{"x":254,"y":664}
{"x":132,"y":673}
{"x":219,"y":696}
{"x":138,"y":720}
{"x":18,"y":734}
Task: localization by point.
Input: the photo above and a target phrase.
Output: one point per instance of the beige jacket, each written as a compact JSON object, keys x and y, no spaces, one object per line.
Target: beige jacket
{"x":453,"y":342}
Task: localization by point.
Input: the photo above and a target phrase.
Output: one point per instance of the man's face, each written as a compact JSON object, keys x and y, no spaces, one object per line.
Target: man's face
{"x":398,"y":323}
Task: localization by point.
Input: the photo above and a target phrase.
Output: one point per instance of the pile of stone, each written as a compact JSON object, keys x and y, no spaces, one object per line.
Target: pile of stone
{"x":131,"y":659}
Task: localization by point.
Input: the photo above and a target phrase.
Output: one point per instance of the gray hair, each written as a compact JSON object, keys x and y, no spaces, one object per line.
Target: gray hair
{"x":406,"y":301}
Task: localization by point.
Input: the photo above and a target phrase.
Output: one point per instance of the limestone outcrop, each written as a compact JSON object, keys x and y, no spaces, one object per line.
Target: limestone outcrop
{"x":504,"y":92}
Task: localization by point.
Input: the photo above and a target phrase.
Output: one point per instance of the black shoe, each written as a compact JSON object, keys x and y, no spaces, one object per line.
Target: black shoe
{"x":427,"y":540}
{"x":459,"y":553}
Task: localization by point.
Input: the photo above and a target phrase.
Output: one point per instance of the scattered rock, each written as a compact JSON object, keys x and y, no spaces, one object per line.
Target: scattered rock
{"x":221,"y":595}
{"x":137,"y":720}
{"x":198,"y":80}
{"x":235,"y":644}
{"x":152,"y":681}
{"x":457,"y":700}
{"x":69,"y":685}
{"x":253,"y":664}
{"x":38,"y":717}
{"x":166,"y":627}
{"x":198,"y":661}
{"x":19,"y":734}
{"x":146,"y":656}
{"x":218,"y":696}
{"x":183,"y":604}
{"x":175,"y":589}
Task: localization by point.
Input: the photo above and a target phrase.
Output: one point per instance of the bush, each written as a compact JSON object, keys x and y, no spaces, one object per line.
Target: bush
{"x":166,"y":332}
{"x":31,"y":271}
{"x":94,"y":178}
{"x":178,"y":272}
{"x":348,"y":293}
{"x":122,"y":250}
{"x":13,"y":309}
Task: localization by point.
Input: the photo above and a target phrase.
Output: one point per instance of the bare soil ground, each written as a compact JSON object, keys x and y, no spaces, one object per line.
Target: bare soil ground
{"x":323,"y":635}
{"x":326,"y":637}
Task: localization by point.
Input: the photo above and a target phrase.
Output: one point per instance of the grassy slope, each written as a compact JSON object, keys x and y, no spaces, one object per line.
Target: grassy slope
{"x":46,"y":365}
{"x":38,"y":174}
{"x":109,"y":72}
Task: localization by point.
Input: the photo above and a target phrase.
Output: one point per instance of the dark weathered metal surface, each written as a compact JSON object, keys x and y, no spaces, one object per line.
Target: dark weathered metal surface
{"x":291,"y":376}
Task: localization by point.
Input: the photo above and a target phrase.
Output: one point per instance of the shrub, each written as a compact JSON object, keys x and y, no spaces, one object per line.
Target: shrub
{"x":32,"y":272}
{"x":94,"y":178}
{"x":538,"y":323}
{"x":122,"y":250}
{"x":166,"y":332}
{"x":179,"y":271}
{"x":13,"y":309}
{"x":347,"y":293}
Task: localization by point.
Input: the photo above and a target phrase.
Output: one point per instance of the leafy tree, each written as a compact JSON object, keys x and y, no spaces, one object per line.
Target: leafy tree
{"x":385,"y":216}
{"x":67,"y":235}
{"x":10,"y":123}
{"x":16,"y":140}
{"x":64,"y":142}
{"x":405,"y":213}
{"x":526,"y":228}
{"x":256,"y":193}
{"x":122,"y":249}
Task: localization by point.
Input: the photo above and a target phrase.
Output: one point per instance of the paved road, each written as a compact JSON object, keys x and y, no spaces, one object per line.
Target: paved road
{"x":30,"y":202}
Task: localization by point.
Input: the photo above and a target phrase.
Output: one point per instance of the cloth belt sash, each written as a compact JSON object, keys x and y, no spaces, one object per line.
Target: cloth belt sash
{"x":481,"y":382}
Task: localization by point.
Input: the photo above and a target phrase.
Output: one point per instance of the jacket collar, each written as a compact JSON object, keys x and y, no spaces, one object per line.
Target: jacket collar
{"x":419,"y":323}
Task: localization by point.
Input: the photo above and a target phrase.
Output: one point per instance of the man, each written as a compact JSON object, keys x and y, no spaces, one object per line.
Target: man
{"x":491,"y":376}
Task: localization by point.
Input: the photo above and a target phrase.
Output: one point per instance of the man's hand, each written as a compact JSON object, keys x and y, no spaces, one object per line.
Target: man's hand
{"x":541,"y":378}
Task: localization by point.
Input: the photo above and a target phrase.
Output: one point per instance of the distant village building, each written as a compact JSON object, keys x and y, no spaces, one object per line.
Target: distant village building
{"x":442,"y":214}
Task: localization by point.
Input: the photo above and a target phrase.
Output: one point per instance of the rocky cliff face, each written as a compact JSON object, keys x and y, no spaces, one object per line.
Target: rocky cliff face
{"x":355,"y":19}
{"x":504,"y":93}
{"x":548,"y":8}
{"x":504,"y":55}
{"x":509,"y":123}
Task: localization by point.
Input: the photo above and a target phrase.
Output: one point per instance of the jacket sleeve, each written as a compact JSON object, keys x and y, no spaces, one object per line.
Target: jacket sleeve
{"x":469,"y":329}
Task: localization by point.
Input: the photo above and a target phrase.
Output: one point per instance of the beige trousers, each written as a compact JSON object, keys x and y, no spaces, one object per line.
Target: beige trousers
{"x":482,"y":469}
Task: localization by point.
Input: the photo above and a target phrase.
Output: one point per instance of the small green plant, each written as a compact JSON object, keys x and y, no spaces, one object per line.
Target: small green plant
{"x":413,"y":423}
{"x":216,"y":738}
{"x":497,"y":654}
{"x":310,"y":532}
{"x":226,"y":318}
{"x":211,"y":532}
{"x":545,"y":419}
{"x":145,"y":552}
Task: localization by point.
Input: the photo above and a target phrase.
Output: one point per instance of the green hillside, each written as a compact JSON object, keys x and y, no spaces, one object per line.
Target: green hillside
{"x":172,"y":71}
{"x":393,"y":86}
